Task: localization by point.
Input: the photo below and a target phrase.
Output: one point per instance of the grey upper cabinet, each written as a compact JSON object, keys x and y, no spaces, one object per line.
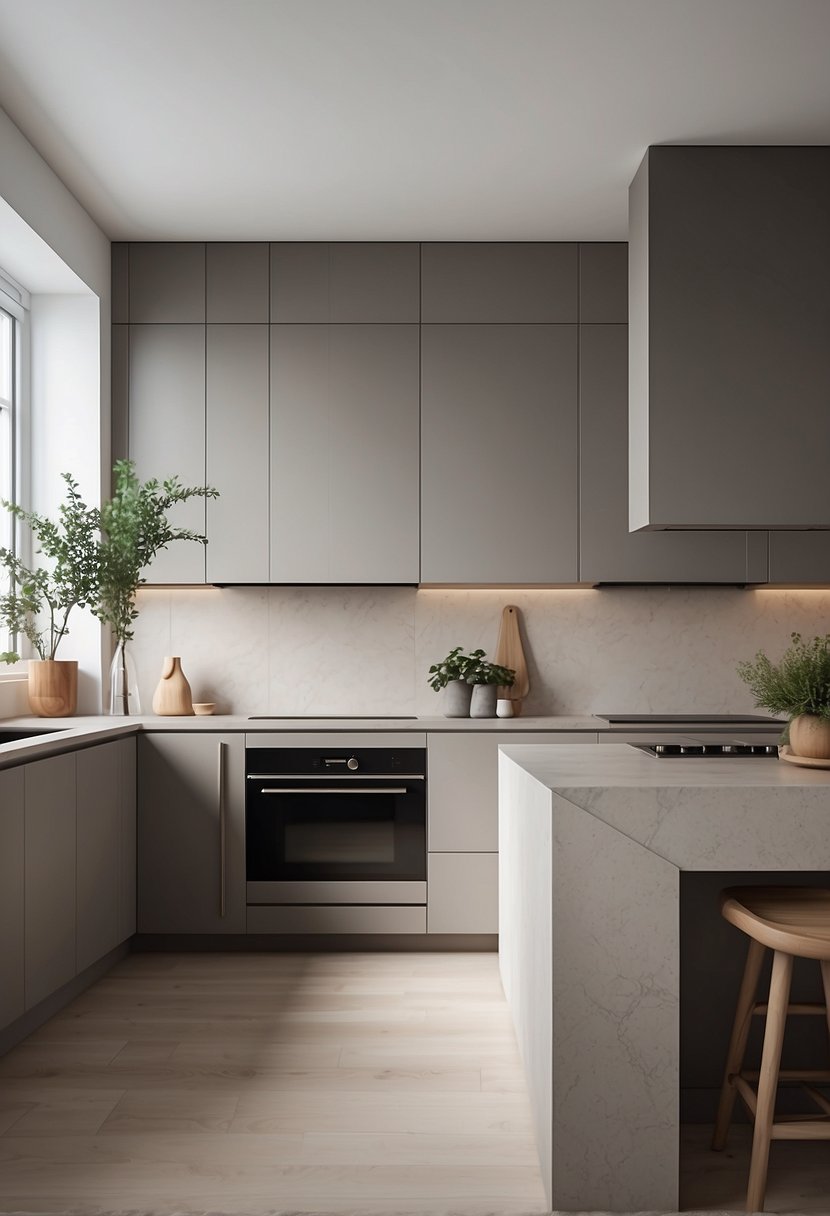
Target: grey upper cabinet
{"x":507,"y":283}
{"x":499,"y":454}
{"x":799,"y":558}
{"x":603,"y":283}
{"x":730,"y":358}
{"x":237,"y":453}
{"x":167,"y":283}
{"x":49,"y":876}
{"x":12,"y":1003}
{"x":608,"y":551}
{"x":237,"y":281}
{"x":191,"y":833}
{"x":167,"y":431}
{"x":344,"y":454}
{"x":345,"y":283}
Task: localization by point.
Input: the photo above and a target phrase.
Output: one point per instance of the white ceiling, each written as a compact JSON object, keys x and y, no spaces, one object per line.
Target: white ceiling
{"x":396,"y":119}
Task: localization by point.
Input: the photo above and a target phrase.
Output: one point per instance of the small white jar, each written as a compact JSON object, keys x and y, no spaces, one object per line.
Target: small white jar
{"x":504,"y":708}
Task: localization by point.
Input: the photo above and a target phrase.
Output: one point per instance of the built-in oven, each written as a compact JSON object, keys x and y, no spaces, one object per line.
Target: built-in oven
{"x":336,"y":825}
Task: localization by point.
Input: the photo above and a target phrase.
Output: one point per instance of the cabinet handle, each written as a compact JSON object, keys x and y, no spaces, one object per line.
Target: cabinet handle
{"x":220,"y":782}
{"x":288,"y":789}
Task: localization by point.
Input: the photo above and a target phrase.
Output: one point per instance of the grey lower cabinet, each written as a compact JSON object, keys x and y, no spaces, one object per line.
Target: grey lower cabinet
{"x":463,"y":824}
{"x":609,"y":553}
{"x":499,"y":454}
{"x":49,"y":876}
{"x":105,"y":849}
{"x":167,"y":431}
{"x":344,"y":454}
{"x":12,"y":920}
{"x":799,"y":558}
{"x":191,"y":833}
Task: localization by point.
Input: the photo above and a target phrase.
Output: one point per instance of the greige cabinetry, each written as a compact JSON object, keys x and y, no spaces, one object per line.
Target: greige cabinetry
{"x":49,"y":875}
{"x":191,"y":833}
{"x":105,"y":849}
{"x":463,"y":824}
{"x":799,"y":558}
{"x":344,"y":453}
{"x":12,"y":919}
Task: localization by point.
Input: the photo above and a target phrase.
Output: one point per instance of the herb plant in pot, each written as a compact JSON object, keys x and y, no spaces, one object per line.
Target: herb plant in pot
{"x":486,"y":679}
{"x":798,"y":686}
{"x":38,"y":601}
{"x":451,"y":674}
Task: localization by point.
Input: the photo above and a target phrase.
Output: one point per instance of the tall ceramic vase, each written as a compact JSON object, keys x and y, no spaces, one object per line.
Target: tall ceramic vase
{"x":53,"y":687}
{"x":124,"y":698}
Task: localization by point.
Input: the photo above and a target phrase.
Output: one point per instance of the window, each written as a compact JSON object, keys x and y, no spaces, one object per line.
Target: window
{"x":14,"y":353}
{"x":8,"y":411}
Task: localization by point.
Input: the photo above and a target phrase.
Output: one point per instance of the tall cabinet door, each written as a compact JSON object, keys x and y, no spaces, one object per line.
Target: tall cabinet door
{"x":344,"y":453}
{"x":11,"y":895}
{"x":237,"y":453}
{"x":191,"y":825}
{"x":49,"y":876}
{"x":167,"y":431}
{"x":499,"y":453}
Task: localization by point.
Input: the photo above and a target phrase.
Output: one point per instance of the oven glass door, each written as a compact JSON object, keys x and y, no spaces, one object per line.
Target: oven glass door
{"x":357,"y":830}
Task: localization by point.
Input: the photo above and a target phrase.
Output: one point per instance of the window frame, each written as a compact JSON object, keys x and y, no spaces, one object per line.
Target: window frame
{"x":15,"y":302}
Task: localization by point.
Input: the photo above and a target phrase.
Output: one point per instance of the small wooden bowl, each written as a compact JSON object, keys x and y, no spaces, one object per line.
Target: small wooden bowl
{"x":204,"y":708}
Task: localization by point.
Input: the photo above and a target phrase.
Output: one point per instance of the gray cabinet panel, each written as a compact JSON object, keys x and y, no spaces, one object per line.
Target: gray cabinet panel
{"x":799,"y":558}
{"x":730,"y":261}
{"x":167,"y":430}
{"x":237,"y":453}
{"x":120,"y":392}
{"x":49,"y":876}
{"x":603,"y":282}
{"x":237,"y":282}
{"x":127,"y":840}
{"x":344,"y":454}
{"x":345,"y":282}
{"x":499,"y":406}
{"x":463,"y":893}
{"x":499,"y":282}
{"x":98,"y":852}
{"x":183,"y":783}
{"x":11,"y":895}
{"x":120,"y":283}
{"x":608,"y":551}
{"x":167,"y":282}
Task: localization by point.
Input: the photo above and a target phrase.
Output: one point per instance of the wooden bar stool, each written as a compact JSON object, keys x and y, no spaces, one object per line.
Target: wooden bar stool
{"x":794,"y":922}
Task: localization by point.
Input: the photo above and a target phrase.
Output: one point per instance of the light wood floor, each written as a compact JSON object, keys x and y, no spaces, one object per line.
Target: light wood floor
{"x":253,"y":1083}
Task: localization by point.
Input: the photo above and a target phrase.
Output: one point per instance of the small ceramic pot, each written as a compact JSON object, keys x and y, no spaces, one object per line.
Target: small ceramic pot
{"x":504,"y":708}
{"x":483,"y":704}
{"x":53,"y":687}
{"x":457,"y":696}
{"x":810,"y":736}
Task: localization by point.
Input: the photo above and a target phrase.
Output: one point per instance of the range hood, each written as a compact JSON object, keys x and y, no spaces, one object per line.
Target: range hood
{"x":729,"y":338}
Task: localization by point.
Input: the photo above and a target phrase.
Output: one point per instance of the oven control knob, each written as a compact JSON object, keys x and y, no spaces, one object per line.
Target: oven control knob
{"x":352,"y":764}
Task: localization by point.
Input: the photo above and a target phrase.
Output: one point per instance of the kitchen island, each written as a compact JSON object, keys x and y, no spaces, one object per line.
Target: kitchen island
{"x":592,"y":843}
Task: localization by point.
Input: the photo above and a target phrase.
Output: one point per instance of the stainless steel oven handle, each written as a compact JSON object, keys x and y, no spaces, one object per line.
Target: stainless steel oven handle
{"x":288,"y":789}
{"x":220,"y":781}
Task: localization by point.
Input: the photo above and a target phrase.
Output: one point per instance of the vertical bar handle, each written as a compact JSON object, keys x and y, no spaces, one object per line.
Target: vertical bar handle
{"x":223,"y":827}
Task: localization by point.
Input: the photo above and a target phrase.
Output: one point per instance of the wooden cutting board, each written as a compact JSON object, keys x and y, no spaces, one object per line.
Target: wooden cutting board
{"x":509,"y":653}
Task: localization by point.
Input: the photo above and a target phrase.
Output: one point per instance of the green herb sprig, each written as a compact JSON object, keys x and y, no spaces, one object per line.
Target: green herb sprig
{"x":799,"y":683}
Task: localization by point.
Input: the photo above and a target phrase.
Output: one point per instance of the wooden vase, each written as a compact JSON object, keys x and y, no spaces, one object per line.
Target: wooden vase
{"x":810,"y":736}
{"x":53,"y":687}
{"x":172,"y":697}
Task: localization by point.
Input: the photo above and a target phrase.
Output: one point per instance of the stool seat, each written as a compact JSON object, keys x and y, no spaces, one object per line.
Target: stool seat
{"x":793,"y":919}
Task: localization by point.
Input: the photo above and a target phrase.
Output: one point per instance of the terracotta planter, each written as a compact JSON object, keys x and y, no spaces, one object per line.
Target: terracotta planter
{"x":810,"y":736}
{"x":53,"y":687}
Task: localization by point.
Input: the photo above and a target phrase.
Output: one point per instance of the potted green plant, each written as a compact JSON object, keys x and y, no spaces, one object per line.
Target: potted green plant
{"x":486,"y":679}
{"x":797,"y":686}
{"x":134,"y":528}
{"x":38,"y":601}
{"x":451,"y":674}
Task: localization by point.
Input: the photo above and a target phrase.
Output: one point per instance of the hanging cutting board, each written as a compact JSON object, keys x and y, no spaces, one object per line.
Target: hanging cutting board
{"x":509,"y":653}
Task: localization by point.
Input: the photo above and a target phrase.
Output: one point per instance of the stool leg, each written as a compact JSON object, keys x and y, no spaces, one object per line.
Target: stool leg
{"x":779,"y":997}
{"x":737,"y":1042}
{"x":825,"y":980}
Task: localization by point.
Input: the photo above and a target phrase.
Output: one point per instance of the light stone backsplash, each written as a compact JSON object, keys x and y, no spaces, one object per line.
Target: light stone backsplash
{"x":366,"y":650}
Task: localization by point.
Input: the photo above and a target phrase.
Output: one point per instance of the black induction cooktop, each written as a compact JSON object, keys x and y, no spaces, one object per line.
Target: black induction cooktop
{"x":701,"y":719}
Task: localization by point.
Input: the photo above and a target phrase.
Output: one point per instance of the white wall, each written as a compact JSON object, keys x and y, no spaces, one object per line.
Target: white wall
{"x":367,"y":650}
{"x":46,"y":238}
